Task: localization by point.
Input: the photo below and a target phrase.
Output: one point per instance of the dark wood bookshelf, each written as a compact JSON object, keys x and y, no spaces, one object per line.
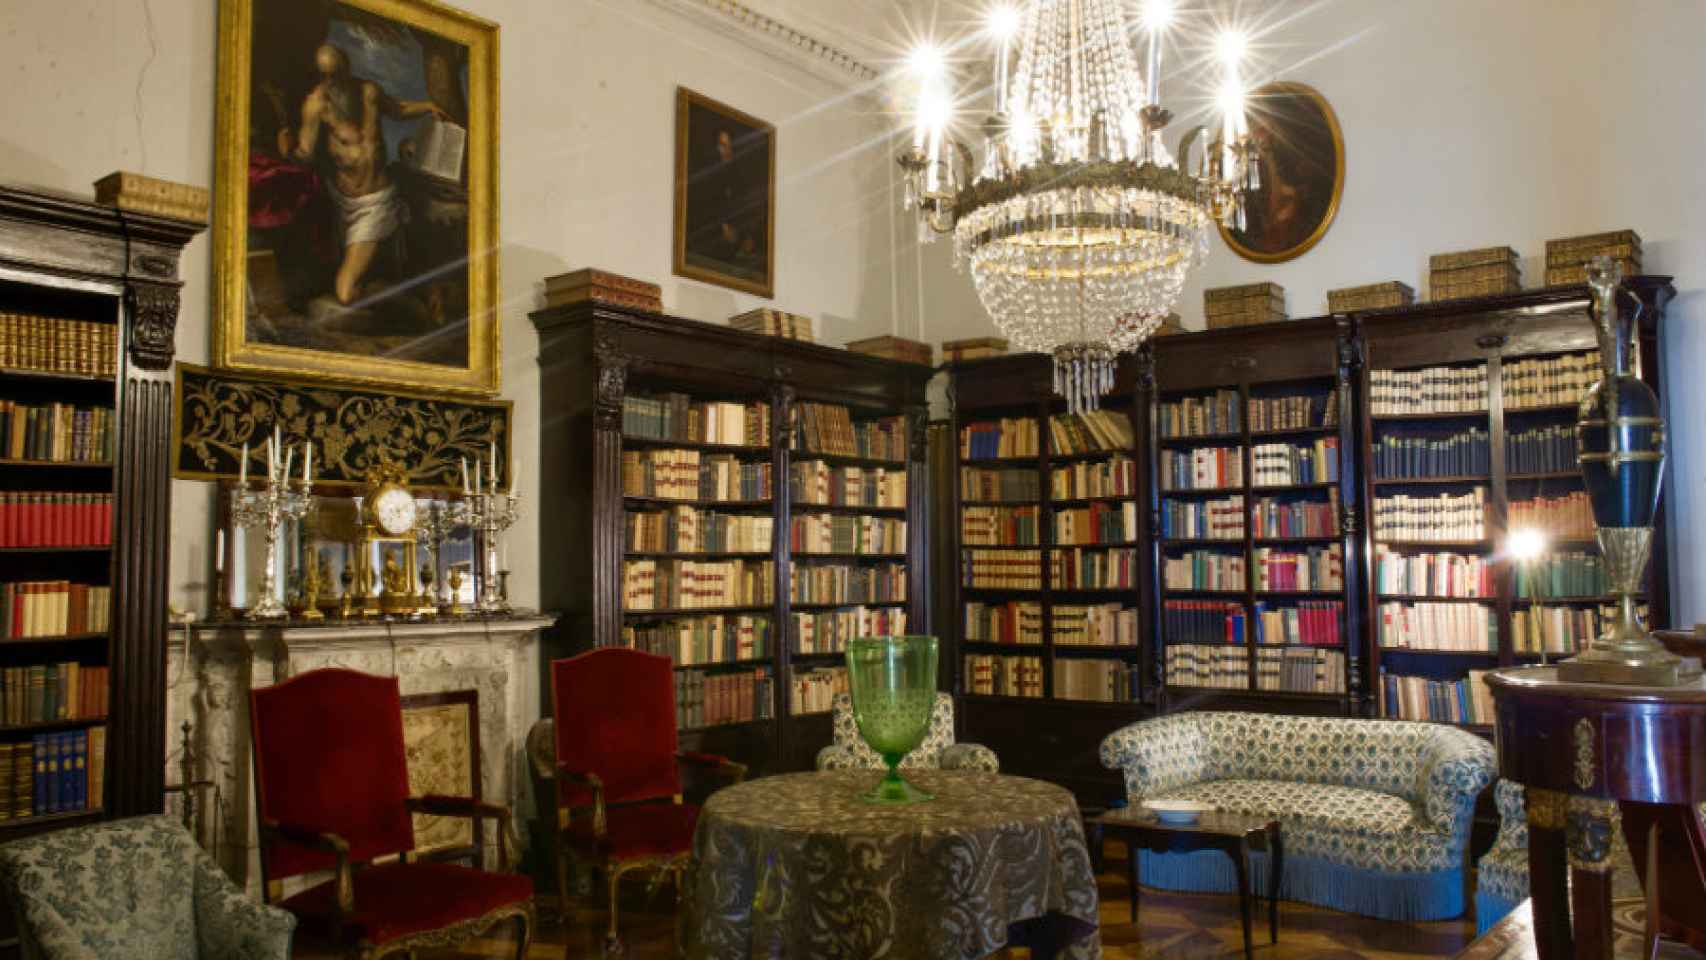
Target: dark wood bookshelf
{"x":66,"y":259}
{"x":595,"y":356}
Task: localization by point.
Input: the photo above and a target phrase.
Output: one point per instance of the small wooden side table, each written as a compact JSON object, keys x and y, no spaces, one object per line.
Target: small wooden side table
{"x":1230,"y":833}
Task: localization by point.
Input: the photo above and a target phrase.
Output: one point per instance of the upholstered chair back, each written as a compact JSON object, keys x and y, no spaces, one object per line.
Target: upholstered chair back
{"x":928,"y":756}
{"x":134,"y":889}
{"x":615,"y":712}
{"x":329,"y":758}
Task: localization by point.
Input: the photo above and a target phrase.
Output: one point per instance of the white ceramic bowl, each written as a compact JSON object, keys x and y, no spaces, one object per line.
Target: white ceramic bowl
{"x":1178,"y":811}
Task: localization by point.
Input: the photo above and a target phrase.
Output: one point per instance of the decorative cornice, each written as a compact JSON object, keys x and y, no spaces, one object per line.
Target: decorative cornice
{"x":814,"y":55}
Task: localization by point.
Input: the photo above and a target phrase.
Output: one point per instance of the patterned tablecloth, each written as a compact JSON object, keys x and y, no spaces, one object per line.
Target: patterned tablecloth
{"x":797,"y":867}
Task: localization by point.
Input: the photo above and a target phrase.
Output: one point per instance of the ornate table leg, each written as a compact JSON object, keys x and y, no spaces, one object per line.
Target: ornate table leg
{"x":1590,"y":825}
{"x":1548,"y":876}
{"x":1241,"y":866}
{"x":1276,"y":872}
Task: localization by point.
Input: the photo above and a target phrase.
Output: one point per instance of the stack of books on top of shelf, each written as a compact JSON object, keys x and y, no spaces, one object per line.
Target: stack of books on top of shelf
{"x":1371,"y":296}
{"x":1549,"y":381}
{"x":1567,"y":257}
{"x":774,"y":323}
{"x":55,"y":432}
{"x":45,"y":692}
{"x":1440,"y":701}
{"x":53,"y":773}
{"x":53,"y":345}
{"x":895,"y":348}
{"x":53,"y":608}
{"x":1091,"y":431}
{"x":602,"y":286}
{"x":1474,"y":273}
{"x":975,"y":348}
{"x":1243,"y":305}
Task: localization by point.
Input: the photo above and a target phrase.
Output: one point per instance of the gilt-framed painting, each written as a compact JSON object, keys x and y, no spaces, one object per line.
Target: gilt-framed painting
{"x":725,"y":195}
{"x":1302,"y":169}
{"x":356,"y":203}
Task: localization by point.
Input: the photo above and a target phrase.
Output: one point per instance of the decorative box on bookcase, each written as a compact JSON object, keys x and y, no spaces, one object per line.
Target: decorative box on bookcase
{"x":1255,"y":533}
{"x":1469,"y":416}
{"x":710,"y":488}
{"x":1048,"y":524}
{"x":88,"y":310}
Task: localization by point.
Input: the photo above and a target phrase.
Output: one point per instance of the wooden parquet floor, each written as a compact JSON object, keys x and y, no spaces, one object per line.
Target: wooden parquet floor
{"x":1172,"y":927}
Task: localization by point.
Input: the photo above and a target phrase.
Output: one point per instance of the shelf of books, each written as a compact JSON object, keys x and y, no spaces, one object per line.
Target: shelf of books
{"x":1471,"y":429}
{"x":57,"y":441}
{"x":761,"y":512}
{"x":1250,"y":554}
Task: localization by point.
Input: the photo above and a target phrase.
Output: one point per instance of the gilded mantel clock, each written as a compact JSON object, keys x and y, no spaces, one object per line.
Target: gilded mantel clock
{"x":387,"y":521}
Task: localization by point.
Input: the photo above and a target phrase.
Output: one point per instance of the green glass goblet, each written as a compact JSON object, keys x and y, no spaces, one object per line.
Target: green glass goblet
{"x":893,"y":680}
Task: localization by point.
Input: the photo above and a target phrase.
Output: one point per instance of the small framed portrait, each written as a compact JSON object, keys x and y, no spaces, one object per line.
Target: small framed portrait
{"x":725,"y":195}
{"x":355,"y":233}
{"x":1302,"y":169}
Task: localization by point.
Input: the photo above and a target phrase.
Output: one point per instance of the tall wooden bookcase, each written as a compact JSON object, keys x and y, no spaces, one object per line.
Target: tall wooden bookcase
{"x":92,"y":278}
{"x":1337,"y":357}
{"x":593,"y":358}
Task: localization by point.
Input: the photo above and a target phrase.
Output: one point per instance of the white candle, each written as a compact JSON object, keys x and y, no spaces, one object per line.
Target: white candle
{"x":272,"y":455}
{"x":476,"y":476}
{"x":277,"y":448}
{"x":307,"y":462}
{"x":466,"y":487}
{"x":289,"y":458}
{"x":492,"y":465}
{"x":243,"y":467}
{"x":219,"y":552}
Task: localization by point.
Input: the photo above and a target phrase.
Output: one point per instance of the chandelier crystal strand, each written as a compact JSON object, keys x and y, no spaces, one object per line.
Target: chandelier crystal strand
{"x":1079,"y":228}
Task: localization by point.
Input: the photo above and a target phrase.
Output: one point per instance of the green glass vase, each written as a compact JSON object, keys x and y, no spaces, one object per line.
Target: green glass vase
{"x":893,"y":680}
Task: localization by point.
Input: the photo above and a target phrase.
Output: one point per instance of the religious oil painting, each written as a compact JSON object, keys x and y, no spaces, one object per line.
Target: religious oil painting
{"x":1302,"y":174}
{"x":725,"y":195}
{"x":357,"y":193}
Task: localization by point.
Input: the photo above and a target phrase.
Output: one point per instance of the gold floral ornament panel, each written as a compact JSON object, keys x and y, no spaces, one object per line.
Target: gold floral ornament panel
{"x":351,"y":428}
{"x":438,"y":741}
{"x":356,"y":204}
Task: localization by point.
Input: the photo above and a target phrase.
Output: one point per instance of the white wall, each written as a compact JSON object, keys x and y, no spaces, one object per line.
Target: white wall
{"x":1469,"y":124}
{"x":588,"y":124}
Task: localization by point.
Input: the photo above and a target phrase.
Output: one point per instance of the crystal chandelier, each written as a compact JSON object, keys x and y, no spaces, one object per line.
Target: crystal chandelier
{"x":1079,"y":226}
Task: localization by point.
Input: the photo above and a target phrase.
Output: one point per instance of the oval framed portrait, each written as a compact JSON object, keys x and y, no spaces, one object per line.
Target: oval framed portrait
{"x":1302,"y":173}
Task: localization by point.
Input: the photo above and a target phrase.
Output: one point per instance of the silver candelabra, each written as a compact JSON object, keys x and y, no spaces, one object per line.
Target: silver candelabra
{"x":491,"y":513}
{"x":276,"y":501}
{"x":442,"y":519}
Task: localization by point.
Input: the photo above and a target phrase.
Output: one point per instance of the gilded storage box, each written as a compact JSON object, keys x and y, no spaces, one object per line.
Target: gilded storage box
{"x":601,"y":286}
{"x":774,"y":323}
{"x":1243,"y":305}
{"x":973,"y":349}
{"x":165,"y":198}
{"x":1170,"y":326}
{"x":895,"y":348}
{"x":1473,"y":273}
{"x":1567,"y":257}
{"x":1372,"y":296}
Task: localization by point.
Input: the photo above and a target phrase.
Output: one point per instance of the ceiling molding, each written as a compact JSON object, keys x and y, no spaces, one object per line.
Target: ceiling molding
{"x":815,"y":56}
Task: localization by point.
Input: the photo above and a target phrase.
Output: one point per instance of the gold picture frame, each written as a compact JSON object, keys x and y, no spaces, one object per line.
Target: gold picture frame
{"x":1294,"y":126}
{"x":722,"y":159}
{"x":413,"y":302}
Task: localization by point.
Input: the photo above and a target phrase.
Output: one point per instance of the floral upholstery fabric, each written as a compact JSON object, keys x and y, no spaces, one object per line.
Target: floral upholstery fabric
{"x":1501,"y":875}
{"x":937,"y":752}
{"x":1370,"y":794}
{"x":136,"y":889}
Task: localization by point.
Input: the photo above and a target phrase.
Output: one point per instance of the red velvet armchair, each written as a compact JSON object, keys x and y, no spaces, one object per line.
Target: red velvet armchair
{"x":332,"y":793}
{"x":617,"y":770}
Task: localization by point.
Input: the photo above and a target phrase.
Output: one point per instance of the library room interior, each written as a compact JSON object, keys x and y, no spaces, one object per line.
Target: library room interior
{"x":854,"y":480}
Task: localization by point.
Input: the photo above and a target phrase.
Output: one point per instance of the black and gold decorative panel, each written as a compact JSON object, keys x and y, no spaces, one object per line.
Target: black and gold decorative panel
{"x":351,"y":428}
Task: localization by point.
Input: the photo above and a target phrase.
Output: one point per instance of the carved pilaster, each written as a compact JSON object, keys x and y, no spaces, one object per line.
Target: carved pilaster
{"x":918,"y":434}
{"x":1145,"y":359}
{"x":1350,"y":521}
{"x":612,"y":365}
{"x":782,"y":400}
{"x":152,"y":309}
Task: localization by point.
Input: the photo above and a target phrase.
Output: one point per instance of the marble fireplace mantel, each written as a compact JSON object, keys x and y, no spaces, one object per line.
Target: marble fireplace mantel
{"x":211,"y":668}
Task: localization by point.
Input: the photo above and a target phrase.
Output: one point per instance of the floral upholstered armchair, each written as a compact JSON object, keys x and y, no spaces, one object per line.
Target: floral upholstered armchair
{"x":937,"y":752}
{"x":135,"y":889}
{"x":1501,"y":875}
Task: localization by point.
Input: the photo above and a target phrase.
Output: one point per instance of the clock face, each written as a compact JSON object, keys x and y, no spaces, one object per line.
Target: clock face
{"x":394,"y":511}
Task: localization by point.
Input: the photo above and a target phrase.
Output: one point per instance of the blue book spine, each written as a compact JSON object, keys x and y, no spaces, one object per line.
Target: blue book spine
{"x":80,"y":770}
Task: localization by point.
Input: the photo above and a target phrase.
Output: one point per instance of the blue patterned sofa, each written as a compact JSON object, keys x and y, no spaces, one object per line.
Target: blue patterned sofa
{"x":938,"y":751}
{"x":1501,"y":875}
{"x":136,"y":889}
{"x":1375,"y":814}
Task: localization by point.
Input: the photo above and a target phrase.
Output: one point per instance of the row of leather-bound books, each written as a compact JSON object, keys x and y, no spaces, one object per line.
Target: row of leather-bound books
{"x":55,"y":519}
{"x":53,"y":608}
{"x":53,"y":773}
{"x":46,"y":692}
{"x":685,"y":475}
{"x":1004,"y":676}
{"x":830,"y":429}
{"x":54,"y":345}
{"x":55,"y":432}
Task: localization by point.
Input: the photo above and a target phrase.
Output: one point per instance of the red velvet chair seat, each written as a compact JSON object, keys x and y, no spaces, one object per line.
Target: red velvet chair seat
{"x":638,"y":830}
{"x":395,"y":900}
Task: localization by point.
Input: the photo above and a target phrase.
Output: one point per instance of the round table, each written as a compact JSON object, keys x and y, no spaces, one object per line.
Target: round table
{"x":798,"y":866}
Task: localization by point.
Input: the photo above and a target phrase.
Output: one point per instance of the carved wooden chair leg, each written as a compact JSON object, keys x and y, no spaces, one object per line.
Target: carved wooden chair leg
{"x":613,"y":942}
{"x":524,"y":935}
